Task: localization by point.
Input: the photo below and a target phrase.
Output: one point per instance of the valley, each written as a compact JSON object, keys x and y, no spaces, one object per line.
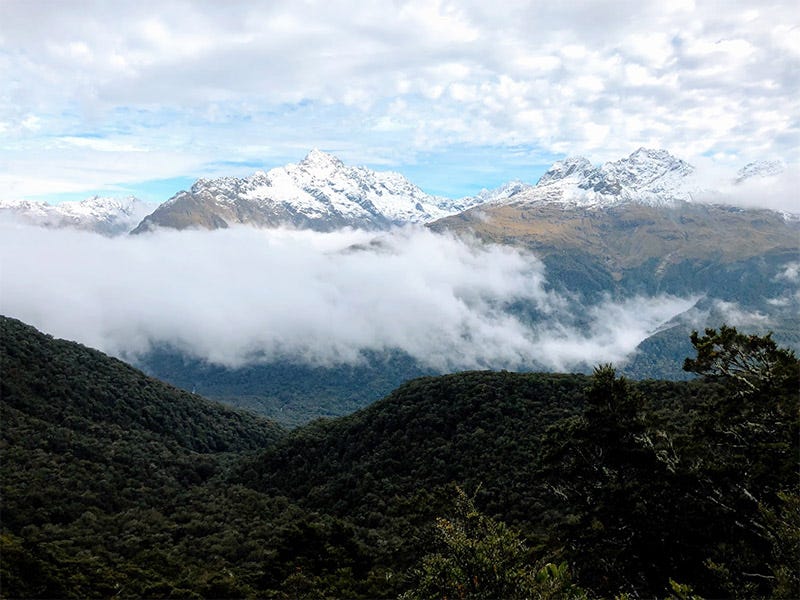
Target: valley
{"x":617,"y":262}
{"x":337,"y":300}
{"x":327,"y":398}
{"x":115,"y":484}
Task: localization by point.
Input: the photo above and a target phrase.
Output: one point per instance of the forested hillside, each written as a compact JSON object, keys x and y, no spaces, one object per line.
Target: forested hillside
{"x":115,"y":485}
{"x":288,"y":392}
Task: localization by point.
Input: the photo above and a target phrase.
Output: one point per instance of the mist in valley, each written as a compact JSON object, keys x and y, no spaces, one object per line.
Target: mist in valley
{"x":245,"y":296}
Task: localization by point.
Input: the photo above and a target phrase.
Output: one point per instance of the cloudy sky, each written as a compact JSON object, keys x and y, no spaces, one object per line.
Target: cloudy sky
{"x":143,"y":97}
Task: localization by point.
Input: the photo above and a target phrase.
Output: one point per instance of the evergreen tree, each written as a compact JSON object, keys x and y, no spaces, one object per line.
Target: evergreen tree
{"x":482,"y":559}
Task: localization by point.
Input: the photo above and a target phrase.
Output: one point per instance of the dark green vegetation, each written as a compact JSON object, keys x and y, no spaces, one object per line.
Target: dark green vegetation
{"x":290,"y":393}
{"x":116,"y":485}
{"x":482,"y":558}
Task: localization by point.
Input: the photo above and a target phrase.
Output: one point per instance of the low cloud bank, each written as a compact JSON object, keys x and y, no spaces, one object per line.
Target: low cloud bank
{"x":242,"y":296}
{"x":774,"y":192}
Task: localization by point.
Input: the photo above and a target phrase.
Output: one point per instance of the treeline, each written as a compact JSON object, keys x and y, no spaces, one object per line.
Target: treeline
{"x":480,"y":484}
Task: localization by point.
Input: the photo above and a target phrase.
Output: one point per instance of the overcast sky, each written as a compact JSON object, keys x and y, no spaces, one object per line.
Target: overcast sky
{"x":143,"y":97}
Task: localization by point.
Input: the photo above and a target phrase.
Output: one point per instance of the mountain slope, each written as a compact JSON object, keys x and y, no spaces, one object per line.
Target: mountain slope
{"x":626,"y":235}
{"x":634,"y":227}
{"x":625,"y":476}
{"x":633,"y":222}
{"x":114,"y":486}
{"x":319,"y":193}
{"x":290,"y":393}
{"x":56,"y":381}
{"x":429,"y":432}
{"x":108,"y":216}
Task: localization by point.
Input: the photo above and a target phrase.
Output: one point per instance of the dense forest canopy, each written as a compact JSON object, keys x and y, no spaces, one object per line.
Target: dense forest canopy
{"x":479,"y":484}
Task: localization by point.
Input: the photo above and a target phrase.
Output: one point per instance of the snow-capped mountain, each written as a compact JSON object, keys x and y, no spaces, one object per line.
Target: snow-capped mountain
{"x":650,"y":177}
{"x":653,"y":177}
{"x":109,"y":216}
{"x":500,"y":194}
{"x":760,"y":169}
{"x":319,"y":193}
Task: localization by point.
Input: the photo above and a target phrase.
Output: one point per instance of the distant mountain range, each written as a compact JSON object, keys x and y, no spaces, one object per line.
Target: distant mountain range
{"x":651,"y":177}
{"x":637,"y":227}
{"x":643,"y":226}
{"x":109,"y":216}
{"x":323,"y":194}
{"x":319,"y":193}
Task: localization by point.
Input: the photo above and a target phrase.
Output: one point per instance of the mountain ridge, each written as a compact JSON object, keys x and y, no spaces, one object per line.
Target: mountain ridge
{"x":105,"y":215}
{"x":647,"y":176}
{"x":320,"y":193}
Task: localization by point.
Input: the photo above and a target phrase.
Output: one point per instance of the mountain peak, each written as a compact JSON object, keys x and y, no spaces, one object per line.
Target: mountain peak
{"x":644,"y":167}
{"x":648,"y":175}
{"x":648,"y":156}
{"x":760,"y":169}
{"x":320,"y":192}
{"x":318,"y":158}
{"x":651,"y":154}
{"x":572,"y":166}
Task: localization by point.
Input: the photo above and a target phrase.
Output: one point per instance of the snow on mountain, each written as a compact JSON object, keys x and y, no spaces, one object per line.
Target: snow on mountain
{"x":760,"y":169}
{"x":653,"y":177}
{"x":500,"y":194}
{"x":574,"y":168}
{"x":320,"y":192}
{"x":108,"y":216}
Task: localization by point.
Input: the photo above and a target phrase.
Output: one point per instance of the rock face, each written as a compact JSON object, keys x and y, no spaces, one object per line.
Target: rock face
{"x":109,"y":216}
{"x":319,"y":193}
{"x":652,"y":177}
{"x":646,"y":177}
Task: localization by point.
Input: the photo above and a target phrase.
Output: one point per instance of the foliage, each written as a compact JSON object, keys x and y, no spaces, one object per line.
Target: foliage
{"x":749,"y":363}
{"x":115,"y":484}
{"x":620,"y":532}
{"x":681,"y":591}
{"x":484,"y":559}
{"x":782,"y":525}
{"x":289,"y":392}
{"x":659,"y":494}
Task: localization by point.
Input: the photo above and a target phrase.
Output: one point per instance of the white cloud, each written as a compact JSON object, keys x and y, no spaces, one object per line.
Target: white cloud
{"x":299,"y":75}
{"x":778,"y":192}
{"x":245,"y":295}
{"x":791,"y":272}
{"x":733,"y":314}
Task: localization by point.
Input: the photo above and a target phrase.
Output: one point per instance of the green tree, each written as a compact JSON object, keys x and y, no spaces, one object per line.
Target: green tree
{"x":751,"y":430}
{"x":620,"y":535}
{"x":484,"y":559}
{"x":747,"y":363}
{"x":746,"y":461}
{"x":782,"y":525}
